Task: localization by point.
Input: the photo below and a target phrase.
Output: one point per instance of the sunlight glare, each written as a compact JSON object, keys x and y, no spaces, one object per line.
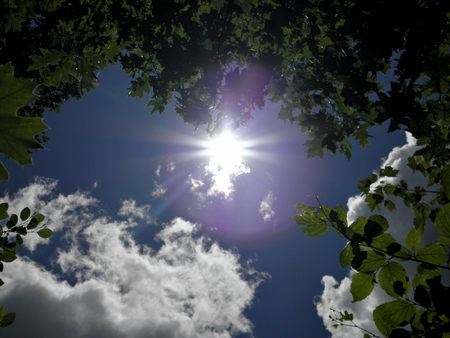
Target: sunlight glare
{"x":226,"y":163}
{"x":227,"y":150}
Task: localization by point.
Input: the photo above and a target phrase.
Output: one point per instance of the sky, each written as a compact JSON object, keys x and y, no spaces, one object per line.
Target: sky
{"x":158,"y":236}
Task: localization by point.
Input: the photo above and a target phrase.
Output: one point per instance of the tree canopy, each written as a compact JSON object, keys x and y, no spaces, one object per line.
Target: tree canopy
{"x":324,"y":62}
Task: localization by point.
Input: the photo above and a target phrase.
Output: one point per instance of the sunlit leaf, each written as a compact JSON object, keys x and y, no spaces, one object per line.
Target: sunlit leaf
{"x":432,"y":253}
{"x":372,"y":262}
{"x":305,"y":208}
{"x":394,"y":280}
{"x":315,"y":226}
{"x":442,"y":221}
{"x":413,"y":239}
{"x":362,"y":286}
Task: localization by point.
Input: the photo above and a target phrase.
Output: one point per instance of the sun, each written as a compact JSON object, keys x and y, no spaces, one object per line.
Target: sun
{"x":227,"y":150}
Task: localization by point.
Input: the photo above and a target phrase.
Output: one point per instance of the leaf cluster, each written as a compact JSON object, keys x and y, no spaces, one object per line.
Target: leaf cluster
{"x":377,"y":258}
{"x":11,"y":238}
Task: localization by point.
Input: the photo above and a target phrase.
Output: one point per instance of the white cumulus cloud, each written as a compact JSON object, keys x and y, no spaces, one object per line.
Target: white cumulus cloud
{"x":104,"y":284}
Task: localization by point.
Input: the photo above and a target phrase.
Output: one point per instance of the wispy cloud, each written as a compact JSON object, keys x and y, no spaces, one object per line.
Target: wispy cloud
{"x":130,"y":209}
{"x":265,"y":208}
{"x":336,"y":294}
{"x":189,"y":288}
{"x":170,"y":167}
{"x":159,"y":191}
{"x":158,"y":170}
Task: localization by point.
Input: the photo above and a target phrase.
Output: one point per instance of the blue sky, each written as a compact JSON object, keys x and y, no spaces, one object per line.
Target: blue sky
{"x":147,"y":245}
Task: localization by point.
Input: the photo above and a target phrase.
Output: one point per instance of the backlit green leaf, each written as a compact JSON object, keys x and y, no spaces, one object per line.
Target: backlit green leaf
{"x":14,"y":92}
{"x":362,"y":286}
{"x":432,"y":253}
{"x":398,"y":312}
{"x":442,"y":221}
{"x":445,"y":180}
{"x":8,"y":319}
{"x":305,"y":208}
{"x":16,"y":133}
{"x":388,"y":172}
{"x":372,"y":262}
{"x":315,"y":226}
{"x":346,"y":256}
{"x":413,"y":239}
{"x":394,"y":280}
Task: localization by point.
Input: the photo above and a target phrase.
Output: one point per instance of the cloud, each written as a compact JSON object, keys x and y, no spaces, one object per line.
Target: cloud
{"x":336,"y":294}
{"x":170,"y":167}
{"x":130,"y":209}
{"x":188,"y":288}
{"x":159,"y":191}
{"x":265,"y":208}
{"x":40,"y":196}
{"x":217,"y":180}
{"x":158,"y":170}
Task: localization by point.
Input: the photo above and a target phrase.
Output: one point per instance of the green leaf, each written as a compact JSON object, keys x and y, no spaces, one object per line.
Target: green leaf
{"x":442,"y":221}
{"x":8,"y":319}
{"x":413,"y":239}
{"x":364,"y":185}
{"x":2,"y":312}
{"x":445,"y":241}
{"x":305,"y":208}
{"x":39,"y":218}
{"x":362,"y":286}
{"x":14,"y":93}
{"x":315,"y":226}
{"x":356,"y":229}
{"x":388,"y":172}
{"x":33,"y":224}
{"x":4,"y":211}
{"x":346,"y":256}
{"x":394,"y":280}
{"x":1,"y":282}
{"x":49,"y":58}
{"x":389,"y":316}
{"x":445,"y":180}
{"x":4,"y":174}
{"x":19,"y":239}
{"x":16,"y":133}
{"x":432,"y":253}
{"x":25,"y":214}
{"x":12,"y":221}
{"x":382,"y":242}
{"x":379,"y":318}
{"x":372,"y":262}
{"x":7,"y":256}
{"x":45,"y":233}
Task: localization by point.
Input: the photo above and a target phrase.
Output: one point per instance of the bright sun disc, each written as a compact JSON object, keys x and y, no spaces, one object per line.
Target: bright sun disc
{"x":227,"y":150}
